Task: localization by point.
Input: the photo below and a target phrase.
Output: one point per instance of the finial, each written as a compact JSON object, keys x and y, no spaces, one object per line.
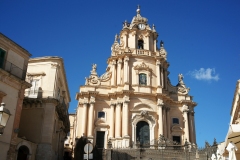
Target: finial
{"x":153,"y":27}
{"x":161,"y":43}
{"x":116,"y":38}
{"x":125,"y":24}
{"x":138,"y":9}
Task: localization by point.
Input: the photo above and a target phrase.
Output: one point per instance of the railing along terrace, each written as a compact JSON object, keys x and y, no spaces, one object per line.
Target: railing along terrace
{"x":163,"y":149}
{"x":39,"y":93}
{"x":14,"y":70}
{"x":143,"y":52}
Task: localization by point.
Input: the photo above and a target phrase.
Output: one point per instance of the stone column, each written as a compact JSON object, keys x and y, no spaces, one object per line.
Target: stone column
{"x":165,"y":77}
{"x":168,"y":123}
{"x":113,"y":79}
{"x":193,"y":132}
{"x":164,"y":121}
{"x":118,"y":120}
{"x":77,"y":122}
{"x":125,"y":123}
{"x":146,"y":46}
{"x":126,"y":40}
{"x":126,"y":73}
{"x":162,"y":77}
{"x":158,"y":75}
{"x":119,"y":66}
{"x":84,"y":119}
{"x":160,"y":117}
{"x":90,"y":117}
{"x":186,"y":125}
{"x":111,"y":133}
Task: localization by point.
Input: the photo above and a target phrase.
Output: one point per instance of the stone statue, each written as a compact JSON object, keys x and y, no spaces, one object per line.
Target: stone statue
{"x":180,"y":79}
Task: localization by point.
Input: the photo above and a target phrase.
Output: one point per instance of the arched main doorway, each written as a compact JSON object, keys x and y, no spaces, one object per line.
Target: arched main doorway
{"x":23,"y":153}
{"x":143,"y":134}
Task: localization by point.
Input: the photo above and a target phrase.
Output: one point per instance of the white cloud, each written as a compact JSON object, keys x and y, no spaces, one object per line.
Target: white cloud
{"x":205,"y":74}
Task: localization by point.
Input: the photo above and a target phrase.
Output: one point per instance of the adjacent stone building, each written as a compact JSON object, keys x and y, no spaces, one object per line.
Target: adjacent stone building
{"x":44,"y":121}
{"x":233,"y":134}
{"x":13,"y":67}
{"x":70,"y":141}
{"x":134,"y":100}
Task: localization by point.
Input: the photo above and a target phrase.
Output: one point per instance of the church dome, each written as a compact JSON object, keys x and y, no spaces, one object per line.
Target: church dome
{"x":138,"y":18}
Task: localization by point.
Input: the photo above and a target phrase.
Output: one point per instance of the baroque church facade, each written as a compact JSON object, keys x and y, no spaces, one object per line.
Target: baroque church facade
{"x":134,"y":100}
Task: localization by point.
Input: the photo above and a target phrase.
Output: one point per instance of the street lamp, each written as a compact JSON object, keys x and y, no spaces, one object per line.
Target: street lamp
{"x":4,"y":116}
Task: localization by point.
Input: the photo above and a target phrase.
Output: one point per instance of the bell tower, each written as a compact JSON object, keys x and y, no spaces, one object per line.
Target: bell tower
{"x":138,"y":34}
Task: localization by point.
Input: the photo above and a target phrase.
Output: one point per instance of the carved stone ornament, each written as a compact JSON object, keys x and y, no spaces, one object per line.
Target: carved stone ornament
{"x":105,"y":77}
{"x":127,"y":50}
{"x":142,"y":66}
{"x":116,"y":46}
{"x":143,"y":115}
{"x":93,"y":79}
{"x":163,"y":52}
{"x":160,"y":102}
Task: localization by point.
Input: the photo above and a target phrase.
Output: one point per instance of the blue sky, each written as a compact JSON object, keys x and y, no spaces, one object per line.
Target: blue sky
{"x":201,"y":37}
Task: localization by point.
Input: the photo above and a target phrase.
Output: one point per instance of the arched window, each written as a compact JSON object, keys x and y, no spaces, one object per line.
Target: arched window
{"x":142,"y":79}
{"x":101,"y":114}
{"x":175,"y":121}
{"x":140,"y":44}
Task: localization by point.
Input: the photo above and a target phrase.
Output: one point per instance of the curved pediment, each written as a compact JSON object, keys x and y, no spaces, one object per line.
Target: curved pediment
{"x":176,"y":128}
{"x":143,"y":107}
{"x":101,"y":123}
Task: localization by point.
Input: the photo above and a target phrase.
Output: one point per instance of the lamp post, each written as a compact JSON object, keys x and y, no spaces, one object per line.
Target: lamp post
{"x":4,"y":116}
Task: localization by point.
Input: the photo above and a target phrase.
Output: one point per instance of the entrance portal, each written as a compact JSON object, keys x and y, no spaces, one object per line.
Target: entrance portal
{"x":100,"y":139}
{"x":23,"y":153}
{"x":143,"y":135}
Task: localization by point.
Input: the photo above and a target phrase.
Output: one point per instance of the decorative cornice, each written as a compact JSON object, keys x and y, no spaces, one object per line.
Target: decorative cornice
{"x":13,"y":81}
{"x":36,"y":74}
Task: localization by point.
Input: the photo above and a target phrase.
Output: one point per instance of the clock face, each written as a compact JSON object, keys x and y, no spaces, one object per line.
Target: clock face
{"x":141,"y":26}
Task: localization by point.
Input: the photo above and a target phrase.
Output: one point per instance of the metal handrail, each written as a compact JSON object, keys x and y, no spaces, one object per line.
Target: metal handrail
{"x":14,"y":70}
